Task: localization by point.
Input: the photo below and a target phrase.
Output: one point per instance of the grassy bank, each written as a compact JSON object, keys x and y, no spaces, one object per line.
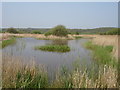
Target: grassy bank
{"x":54,"y":48}
{"x":102,"y":54}
{"x":19,"y":75}
{"x":11,"y":40}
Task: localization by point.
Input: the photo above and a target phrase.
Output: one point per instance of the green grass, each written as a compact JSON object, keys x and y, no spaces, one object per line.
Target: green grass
{"x":25,"y":79}
{"x":102,"y":54}
{"x":54,"y":48}
{"x":8,"y":42}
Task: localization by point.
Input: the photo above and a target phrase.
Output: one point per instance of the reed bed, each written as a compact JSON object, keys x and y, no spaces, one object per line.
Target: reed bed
{"x":15,"y":74}
{"x":105,"y":40}
{"x":102,"y":54}
{"x":107,"y":78}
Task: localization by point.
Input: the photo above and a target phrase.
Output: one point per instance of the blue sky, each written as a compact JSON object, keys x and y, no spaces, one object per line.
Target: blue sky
{"x":50,"y":14}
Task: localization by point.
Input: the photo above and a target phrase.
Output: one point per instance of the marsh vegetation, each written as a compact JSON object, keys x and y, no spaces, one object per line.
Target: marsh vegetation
{"x":19,"y":75}
{"x":58,"y":62}
{"x":54,"y":48}
{"x":5,"y":43}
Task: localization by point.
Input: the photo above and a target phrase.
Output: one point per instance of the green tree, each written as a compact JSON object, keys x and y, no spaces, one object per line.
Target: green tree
{"x":12,"y":30}
{"x":36,"y":32}
{"x":60,"y":30}
{"x":115,"y":31}
{"x":77,"y":33}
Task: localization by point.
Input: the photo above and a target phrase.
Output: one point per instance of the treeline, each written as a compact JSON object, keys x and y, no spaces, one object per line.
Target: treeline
{"x":102,"y":31}
{"x":115,"y":31}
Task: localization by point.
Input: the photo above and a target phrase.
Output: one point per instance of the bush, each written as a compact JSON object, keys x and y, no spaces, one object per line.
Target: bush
{"x":36,"y":32}
{"x":59,"y":30}
{"x":48,"y":33}
{"x":77,"y":33}
{"x":12,"y":30}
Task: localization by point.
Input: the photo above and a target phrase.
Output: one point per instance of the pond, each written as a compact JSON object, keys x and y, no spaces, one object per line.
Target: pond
{"x":24,"y":48}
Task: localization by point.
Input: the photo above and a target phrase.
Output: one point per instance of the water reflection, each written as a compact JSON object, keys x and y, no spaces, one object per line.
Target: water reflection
{"x":57,"y":42}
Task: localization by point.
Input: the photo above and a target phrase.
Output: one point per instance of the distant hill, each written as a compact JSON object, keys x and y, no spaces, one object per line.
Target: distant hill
{"x":91,"y":31}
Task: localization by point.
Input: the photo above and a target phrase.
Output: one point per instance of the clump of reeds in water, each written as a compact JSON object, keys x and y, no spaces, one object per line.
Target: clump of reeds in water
{"x":54,"y":48}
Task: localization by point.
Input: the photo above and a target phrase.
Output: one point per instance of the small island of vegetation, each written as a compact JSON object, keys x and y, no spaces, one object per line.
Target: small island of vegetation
{"x":54,"y":48}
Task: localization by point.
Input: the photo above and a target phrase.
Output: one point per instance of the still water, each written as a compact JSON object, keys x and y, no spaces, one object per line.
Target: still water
{"x":24,"y":48}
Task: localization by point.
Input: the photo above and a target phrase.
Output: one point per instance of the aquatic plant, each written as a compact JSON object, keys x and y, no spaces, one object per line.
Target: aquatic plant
{"x":54,"y":48}
{"x":11,"y":40}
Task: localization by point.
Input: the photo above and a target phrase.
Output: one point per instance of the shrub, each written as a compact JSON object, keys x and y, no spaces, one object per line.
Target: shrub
{"x":59,"y":30}
{"x":77,"y":33}
{"x":12,"y":30}
{"x":36,"y":32}
{"x":48,"y":33}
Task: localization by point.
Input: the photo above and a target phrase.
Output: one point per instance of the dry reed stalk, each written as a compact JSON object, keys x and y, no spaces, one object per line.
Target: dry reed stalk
{"x":14,"y":65}
{"x":106,"y":79}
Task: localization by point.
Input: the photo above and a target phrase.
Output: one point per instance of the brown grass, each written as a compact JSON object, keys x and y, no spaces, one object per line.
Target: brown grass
{"x":41,"y":36}
{"x":109,"y":40}
{"x":12,"y":66}
{"x":4,"y":36}
{"x":107,"y":77}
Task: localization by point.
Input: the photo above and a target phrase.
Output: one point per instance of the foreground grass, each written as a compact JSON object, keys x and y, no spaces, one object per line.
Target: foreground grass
{"x":5,"y":43}
{"x":15,"y":74}
{"x":54,"y":48}
{"x":102,"y":54}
